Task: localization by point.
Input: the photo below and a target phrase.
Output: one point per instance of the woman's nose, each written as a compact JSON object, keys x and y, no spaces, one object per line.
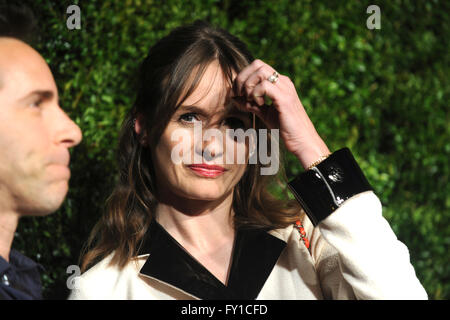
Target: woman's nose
{"x":211,"y":145}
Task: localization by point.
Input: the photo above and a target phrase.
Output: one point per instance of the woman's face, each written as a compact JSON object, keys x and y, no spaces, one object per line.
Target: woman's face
{"x":190,"y":167}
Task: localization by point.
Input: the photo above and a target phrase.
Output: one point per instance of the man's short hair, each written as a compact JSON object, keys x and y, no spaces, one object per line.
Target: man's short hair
{"x":17,"y":21}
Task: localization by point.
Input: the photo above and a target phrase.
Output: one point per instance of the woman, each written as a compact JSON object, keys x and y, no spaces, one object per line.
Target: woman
{"x":209,"y":229}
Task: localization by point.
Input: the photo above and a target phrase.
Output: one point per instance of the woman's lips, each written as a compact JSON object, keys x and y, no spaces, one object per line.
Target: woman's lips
{"x":209,"y":171}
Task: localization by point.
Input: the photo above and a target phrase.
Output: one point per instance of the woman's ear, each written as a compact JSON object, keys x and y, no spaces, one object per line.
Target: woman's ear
{"x":138,"y":127}
{"x":137,"y":124}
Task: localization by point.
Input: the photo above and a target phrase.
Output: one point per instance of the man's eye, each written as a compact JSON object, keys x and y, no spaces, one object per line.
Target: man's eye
{"x":36,"y":103}
{"x":234,"y":123}
{"x":189,"y":117}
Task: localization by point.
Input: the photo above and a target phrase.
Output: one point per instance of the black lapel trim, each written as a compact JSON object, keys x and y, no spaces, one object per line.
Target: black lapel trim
{"x":169,"y":262}
{"x":255,"y":253}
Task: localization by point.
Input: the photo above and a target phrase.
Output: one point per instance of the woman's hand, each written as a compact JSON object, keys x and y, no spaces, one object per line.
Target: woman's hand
{"x":286,"y":112}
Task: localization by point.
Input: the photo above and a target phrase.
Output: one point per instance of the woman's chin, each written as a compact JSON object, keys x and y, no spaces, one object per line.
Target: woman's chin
{"x":205,"y":193}
{"x":206,"y":196}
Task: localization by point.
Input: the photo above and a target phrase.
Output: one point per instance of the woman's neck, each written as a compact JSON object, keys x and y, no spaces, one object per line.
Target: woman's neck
{"x":198,"y":224}
{"x":205,"y":229}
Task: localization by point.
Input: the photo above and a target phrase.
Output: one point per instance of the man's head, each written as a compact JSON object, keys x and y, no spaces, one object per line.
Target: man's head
{"x":35,"y":133}
{"x":17,"y":21}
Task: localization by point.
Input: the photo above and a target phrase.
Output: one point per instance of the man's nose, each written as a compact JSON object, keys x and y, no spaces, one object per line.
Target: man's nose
{"x":68,"y":133}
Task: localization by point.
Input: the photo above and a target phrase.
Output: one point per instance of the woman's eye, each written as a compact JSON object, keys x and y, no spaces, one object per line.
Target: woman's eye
{"x":235,"y":123}
{"x":189,"y":117}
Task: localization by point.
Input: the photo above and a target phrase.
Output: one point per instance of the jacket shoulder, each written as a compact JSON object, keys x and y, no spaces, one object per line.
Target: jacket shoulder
{"x":101,"y":281}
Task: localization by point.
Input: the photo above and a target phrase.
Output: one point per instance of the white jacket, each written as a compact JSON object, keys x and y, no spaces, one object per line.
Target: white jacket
{"x":354,"y":254}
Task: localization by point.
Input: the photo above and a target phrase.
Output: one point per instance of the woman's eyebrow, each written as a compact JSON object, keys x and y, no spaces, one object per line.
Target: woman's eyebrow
{"x":231,"y":111}
{"x":191,"y":108}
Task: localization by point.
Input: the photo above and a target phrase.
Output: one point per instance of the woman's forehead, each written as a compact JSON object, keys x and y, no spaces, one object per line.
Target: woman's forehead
{"x":212,"y":93}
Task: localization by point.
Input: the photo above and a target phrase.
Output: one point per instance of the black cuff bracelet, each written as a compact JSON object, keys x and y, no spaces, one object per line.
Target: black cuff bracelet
{"x":324,"y":188}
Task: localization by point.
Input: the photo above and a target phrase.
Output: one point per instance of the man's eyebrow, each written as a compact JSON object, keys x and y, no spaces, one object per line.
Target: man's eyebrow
{"x":43,"y":94}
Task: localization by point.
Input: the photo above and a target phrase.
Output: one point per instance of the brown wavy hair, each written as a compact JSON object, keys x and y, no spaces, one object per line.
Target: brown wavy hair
{"x":165,"y":81}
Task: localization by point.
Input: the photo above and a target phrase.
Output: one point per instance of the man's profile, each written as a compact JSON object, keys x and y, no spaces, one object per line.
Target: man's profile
{"x":35,"y":137}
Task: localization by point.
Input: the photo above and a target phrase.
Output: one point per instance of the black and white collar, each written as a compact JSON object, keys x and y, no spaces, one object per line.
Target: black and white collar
{"x":255,"y":254}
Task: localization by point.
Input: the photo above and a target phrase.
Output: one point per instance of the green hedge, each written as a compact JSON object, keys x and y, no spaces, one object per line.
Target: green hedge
{"x":383,"y":93}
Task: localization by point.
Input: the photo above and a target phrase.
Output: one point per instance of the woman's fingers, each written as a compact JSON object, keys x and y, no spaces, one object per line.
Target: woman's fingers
{"x":259,"y":76}
{"x":256,"y":71}
{"x":252,"y":83}
{"x":286,"y":112}
{"x":262,"y":89}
